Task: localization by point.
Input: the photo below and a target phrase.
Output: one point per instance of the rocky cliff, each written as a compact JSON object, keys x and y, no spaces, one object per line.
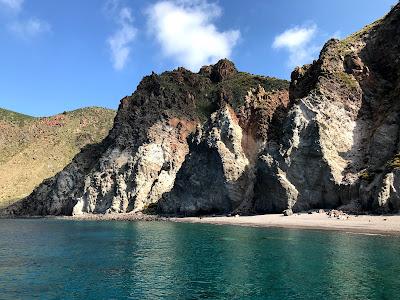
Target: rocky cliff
{"x":223,"y":141}
{"x":340,"y":142}
{"x":215,"y":121}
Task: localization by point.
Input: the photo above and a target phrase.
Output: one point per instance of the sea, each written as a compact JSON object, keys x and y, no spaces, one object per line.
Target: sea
{"x":66,"y":259}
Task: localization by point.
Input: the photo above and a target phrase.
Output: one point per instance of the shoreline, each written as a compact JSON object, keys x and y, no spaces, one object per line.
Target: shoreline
{"x":358,"y":224}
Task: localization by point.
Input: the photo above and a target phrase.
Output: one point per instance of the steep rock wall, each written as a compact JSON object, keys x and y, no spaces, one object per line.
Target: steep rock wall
{"x":342,"y":130}
{"x":155,"y":134}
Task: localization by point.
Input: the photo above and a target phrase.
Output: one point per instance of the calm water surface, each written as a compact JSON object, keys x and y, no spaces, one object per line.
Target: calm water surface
{"x":57,"y":259}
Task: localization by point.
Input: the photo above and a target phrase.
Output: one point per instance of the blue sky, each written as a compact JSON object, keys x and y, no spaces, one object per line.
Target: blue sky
{"x":65,"y":54}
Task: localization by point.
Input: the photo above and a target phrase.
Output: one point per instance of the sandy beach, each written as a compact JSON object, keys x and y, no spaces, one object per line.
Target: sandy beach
{"x":321,"y":221}
{"x":367,"y":224}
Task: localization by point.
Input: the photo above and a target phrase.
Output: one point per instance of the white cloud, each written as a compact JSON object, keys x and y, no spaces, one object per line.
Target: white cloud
{"x":14,"y":5}
{"x":24,"y":28}
{"x":295,"y":37}
{"x":29,"y":28}
{"x":297,"y":41}
{"x":186,"y":32}
{"x":120,"y":42}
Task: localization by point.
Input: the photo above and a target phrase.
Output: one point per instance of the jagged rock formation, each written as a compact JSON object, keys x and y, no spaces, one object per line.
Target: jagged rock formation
{"x":155,"y":133}
{"x":219,"y":173}
{"x":222,"y":141}
{"x":343,"y":129}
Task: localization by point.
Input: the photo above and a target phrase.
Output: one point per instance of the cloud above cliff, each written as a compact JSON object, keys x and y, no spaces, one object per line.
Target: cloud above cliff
{"x":120,"y":42}
{"x":298,"y":41}
{"x":186,"y":32}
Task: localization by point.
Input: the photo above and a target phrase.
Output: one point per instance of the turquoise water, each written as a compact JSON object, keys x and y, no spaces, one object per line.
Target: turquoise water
{"x":57,"y":259}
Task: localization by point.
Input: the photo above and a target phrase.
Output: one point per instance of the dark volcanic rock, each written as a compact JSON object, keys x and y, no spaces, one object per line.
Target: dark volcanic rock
{"x":223,"y":70}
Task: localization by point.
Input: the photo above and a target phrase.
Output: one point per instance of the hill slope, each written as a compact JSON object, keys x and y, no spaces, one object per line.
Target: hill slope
{"x":33,"y":149}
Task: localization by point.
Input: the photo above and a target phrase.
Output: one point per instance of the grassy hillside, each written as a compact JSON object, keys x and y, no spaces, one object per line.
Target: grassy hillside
{"x":33,"y":149}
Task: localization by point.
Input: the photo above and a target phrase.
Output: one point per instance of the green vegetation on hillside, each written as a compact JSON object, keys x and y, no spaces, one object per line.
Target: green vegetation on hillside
{"x":13,"y":117}
{"x":183,"y":83}
{"x":344,"y":46}
{"x":347,"y":79}
{"x":33,"y":149}
{"x":242,"y":82}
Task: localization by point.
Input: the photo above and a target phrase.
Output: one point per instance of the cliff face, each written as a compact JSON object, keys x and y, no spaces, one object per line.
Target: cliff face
{"x":212,"y":123}
{"x":340,"y":139}
{"x":222,"y":141}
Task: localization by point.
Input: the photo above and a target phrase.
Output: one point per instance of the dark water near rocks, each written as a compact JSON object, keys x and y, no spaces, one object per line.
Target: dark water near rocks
{"x":57,"y":259}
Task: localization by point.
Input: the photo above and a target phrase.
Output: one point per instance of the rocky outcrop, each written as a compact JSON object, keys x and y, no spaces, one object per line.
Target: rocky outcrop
{"x":219,"y":173}
{"x":224,"y":141}
{"x":342,"y":130}
{"x":210,"y":125}
{"x":130,"y":181}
